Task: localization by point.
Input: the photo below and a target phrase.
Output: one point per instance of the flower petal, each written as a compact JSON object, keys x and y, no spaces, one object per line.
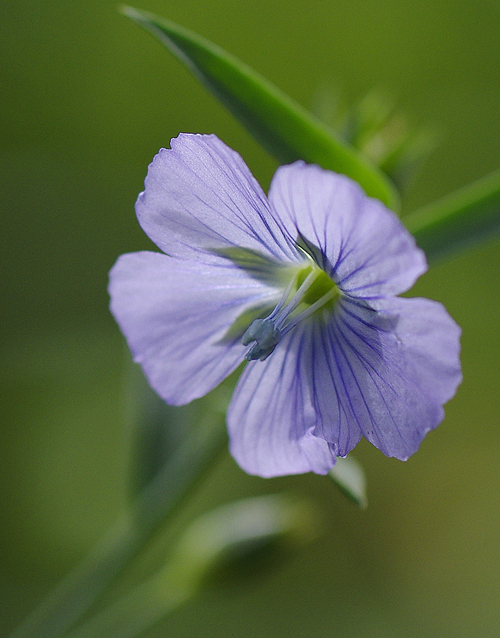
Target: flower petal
{"x":176,"y":315}
{"x":390,"y":369}
{"x":200,"y":197}
{"x":271,"y":419}
{"x":362,"y":245}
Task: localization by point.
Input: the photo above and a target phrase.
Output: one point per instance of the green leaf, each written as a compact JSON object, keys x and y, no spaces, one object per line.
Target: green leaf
{"x":281,"y":125}
{"x":350,"y":478}
{"x":458,"y":220}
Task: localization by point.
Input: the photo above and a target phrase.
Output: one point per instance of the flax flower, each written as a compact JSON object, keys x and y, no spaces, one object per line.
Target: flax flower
{"x":302,"y":285}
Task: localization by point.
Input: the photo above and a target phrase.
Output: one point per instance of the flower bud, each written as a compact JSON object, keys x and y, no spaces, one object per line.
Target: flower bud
{"x":244,"y":538}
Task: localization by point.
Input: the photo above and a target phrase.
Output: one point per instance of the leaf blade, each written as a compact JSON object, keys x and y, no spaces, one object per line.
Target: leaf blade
{"x":281,"y":125}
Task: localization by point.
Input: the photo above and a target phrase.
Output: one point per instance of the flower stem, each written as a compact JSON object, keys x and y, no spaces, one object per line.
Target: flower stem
{"x":467,"y":216}
{"x":66,"y":604}
{"x":142,"y":608}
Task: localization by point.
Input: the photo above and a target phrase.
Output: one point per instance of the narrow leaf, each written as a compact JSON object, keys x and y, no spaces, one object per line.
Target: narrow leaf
{"x":349,"y":476}
{"x":281,"y":125}
{"x":462,"y":218}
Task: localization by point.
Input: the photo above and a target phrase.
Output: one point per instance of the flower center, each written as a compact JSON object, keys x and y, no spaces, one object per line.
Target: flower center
{"x":309,"y":290}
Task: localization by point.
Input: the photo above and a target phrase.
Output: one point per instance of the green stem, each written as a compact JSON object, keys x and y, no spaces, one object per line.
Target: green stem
{"x":137,"y":612}
{"x":156,"y":503}
{"x":465,"y":217}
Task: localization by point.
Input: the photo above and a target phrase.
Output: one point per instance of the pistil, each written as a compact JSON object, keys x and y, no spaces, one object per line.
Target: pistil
{"x":266,"y":333}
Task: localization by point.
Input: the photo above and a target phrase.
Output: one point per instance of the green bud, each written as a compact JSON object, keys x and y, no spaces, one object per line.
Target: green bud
{"x":349,"y":476}
{"x":380,"y":132}
{"x":243,"y":538}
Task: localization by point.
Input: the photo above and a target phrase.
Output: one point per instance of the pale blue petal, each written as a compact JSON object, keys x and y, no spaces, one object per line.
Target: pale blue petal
{"x":430,"y":339}
{"x":389,"y":369}
{"x":362,"y":245}
{"x":271,"y":419}
{"x":333,"y":391}
{"x":176,"y":315}
{"x":201,"y":198}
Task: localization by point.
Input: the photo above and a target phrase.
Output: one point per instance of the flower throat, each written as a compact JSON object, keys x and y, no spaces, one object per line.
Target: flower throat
{"x":313,"y":290}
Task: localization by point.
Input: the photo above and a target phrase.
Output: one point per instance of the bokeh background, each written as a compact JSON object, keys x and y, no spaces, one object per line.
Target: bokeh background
{"x":87,"y":100}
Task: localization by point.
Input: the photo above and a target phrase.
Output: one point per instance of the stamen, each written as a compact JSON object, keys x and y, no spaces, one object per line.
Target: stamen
{"x":296,"y":299}
{"x":283,"y":299}
{"x":267,"y":332}
{"x":266,"y":336}
{"x":331,"y":294}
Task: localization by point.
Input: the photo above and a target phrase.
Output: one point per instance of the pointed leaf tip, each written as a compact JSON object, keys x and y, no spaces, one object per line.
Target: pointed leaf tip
{"x":349,"y":476}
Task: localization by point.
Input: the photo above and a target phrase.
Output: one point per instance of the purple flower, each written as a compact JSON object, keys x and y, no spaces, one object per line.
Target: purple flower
{"x":302,"y":284}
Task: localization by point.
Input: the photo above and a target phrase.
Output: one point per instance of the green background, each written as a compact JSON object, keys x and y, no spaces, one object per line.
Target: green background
{"x":88,"y":98}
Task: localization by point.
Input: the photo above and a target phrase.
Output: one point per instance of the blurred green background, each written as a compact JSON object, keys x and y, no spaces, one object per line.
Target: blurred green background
{"x":88,"y":98}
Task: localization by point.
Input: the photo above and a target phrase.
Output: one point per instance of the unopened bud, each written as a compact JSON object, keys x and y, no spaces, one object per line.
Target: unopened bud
{"x":244,"y":537}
